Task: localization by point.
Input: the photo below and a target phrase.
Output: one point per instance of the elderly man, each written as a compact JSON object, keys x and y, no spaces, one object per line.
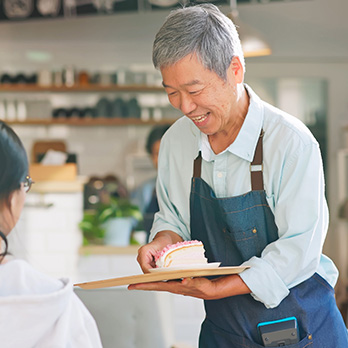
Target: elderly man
{"x":254,"y":198}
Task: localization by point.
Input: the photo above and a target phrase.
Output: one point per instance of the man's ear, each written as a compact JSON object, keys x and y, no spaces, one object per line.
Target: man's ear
{"x":236,"y":68}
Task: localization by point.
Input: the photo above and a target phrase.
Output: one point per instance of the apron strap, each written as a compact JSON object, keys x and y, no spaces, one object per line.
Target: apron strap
{"x":256,"y":166}
{"x":197,"y":165}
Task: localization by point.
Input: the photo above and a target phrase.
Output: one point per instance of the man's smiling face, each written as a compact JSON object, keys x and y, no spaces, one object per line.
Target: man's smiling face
{"x":201,"y":94}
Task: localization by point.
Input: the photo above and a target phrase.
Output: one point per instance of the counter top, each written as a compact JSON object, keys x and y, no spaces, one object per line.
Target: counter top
{"x":58,"y":186}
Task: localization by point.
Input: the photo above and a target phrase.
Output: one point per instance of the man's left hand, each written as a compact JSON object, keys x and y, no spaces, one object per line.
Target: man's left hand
{"x":201,"y":287}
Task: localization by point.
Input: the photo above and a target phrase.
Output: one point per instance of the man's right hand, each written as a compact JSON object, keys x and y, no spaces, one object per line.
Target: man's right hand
{"x":147,"y":253}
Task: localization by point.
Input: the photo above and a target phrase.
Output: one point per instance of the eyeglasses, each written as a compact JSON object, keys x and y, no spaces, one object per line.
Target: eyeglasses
{"x":27,"y":183}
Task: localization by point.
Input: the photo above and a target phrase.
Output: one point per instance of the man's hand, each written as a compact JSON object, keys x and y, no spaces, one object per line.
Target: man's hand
{"x":147,"y":253}
{"x":201,"y":287}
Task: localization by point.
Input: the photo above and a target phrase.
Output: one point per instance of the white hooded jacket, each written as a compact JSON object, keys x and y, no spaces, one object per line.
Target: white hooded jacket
{"x":37,"y":311}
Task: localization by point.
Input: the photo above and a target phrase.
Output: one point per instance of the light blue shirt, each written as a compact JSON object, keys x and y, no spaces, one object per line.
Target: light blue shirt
{"x":294,"y":185}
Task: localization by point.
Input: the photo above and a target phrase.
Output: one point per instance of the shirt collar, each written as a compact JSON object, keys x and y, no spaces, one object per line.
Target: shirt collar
{"x":245,"y":144}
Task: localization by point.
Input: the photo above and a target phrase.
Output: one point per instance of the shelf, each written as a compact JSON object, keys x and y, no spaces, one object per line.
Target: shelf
{"x":88,"y":122}
{"x":43,"y":187}
{"x":92,"y":88}
{"x":33,"y":88}
{"x":109,"y":250}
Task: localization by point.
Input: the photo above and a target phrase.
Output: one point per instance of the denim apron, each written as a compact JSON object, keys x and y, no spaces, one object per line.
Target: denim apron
{"x":235,"y":229}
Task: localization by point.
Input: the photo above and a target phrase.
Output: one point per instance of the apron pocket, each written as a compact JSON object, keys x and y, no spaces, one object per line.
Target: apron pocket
{"x":249,"y":242}
{"x":213,"y":336}
{"x":306,"y":342}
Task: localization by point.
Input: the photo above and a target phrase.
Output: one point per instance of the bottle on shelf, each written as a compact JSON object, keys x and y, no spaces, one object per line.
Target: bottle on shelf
{"x":57,"y":78}
{"x":104,"y":108}
{"x":75,"y":112}
{"x":145,"y":114}
{"x":105,"y":79}
{"x":19,"y":79}
{"x":69,"y":78}
{"x":11,"y":110}
{"x":59,"y":113}
{"x":2,"y":110}
{"x":118,"y":108}
{"x":88,"y":112}
{"x":134,"y":108}
{"x":44,"y":78}
{"x":32,"y":79}
{"x":83,"y":78}
{"x":21,"y":111}
{"x":6,"y":79}
{"x":157,"y":114}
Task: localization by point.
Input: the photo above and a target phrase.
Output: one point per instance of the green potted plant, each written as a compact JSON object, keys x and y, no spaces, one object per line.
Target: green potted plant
{"x":110,"y":223}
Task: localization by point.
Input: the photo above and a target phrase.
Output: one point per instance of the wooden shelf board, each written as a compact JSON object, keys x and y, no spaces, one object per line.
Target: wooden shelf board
{"x":21,"y":88}
{"x":108,"y":250}
{"x":101,"y":121}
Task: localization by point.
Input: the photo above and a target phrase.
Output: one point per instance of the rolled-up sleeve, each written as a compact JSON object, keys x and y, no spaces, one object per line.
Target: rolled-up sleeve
{"x":174,"y":181}
{"x":168,"y":217}
{"x":301,"y":216}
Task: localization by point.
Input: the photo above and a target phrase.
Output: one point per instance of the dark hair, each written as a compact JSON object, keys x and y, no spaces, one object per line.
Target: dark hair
{"x":156,"y":134}
{"x":13,"y":166}
{"x":4,"y":253}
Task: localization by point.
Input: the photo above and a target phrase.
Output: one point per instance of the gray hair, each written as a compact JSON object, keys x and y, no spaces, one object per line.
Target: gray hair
{"x":202,"y":30}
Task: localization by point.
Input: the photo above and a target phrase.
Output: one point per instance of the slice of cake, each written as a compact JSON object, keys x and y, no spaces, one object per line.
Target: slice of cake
{"x":181,"y":254}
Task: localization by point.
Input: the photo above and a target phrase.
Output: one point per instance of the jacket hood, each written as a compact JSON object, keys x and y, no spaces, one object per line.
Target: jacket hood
{"x":37,"y":310}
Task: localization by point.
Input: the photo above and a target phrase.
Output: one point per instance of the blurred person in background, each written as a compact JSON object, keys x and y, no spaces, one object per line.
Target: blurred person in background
{"x":145,"y":195}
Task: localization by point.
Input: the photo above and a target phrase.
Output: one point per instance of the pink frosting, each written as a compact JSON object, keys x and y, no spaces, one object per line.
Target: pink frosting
{"x":173,"y":246}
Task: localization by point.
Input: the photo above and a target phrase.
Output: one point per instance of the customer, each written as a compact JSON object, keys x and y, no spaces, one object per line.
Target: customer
{"x":256,"y":198}
{"x":36,"y":310}
{"x":145,"y":195}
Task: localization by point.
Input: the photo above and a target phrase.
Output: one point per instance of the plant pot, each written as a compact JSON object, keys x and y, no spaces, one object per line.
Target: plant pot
{"x":118,"y":231}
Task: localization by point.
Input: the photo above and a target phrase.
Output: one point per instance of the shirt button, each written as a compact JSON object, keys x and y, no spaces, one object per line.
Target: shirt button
{"x":219,"y":175}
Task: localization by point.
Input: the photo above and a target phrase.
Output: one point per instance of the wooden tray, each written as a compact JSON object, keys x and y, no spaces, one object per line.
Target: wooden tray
{"x":160,"y":276}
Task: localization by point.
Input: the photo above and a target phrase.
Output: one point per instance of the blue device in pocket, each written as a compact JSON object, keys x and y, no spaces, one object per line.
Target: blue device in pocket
{"x":279,"y":333}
